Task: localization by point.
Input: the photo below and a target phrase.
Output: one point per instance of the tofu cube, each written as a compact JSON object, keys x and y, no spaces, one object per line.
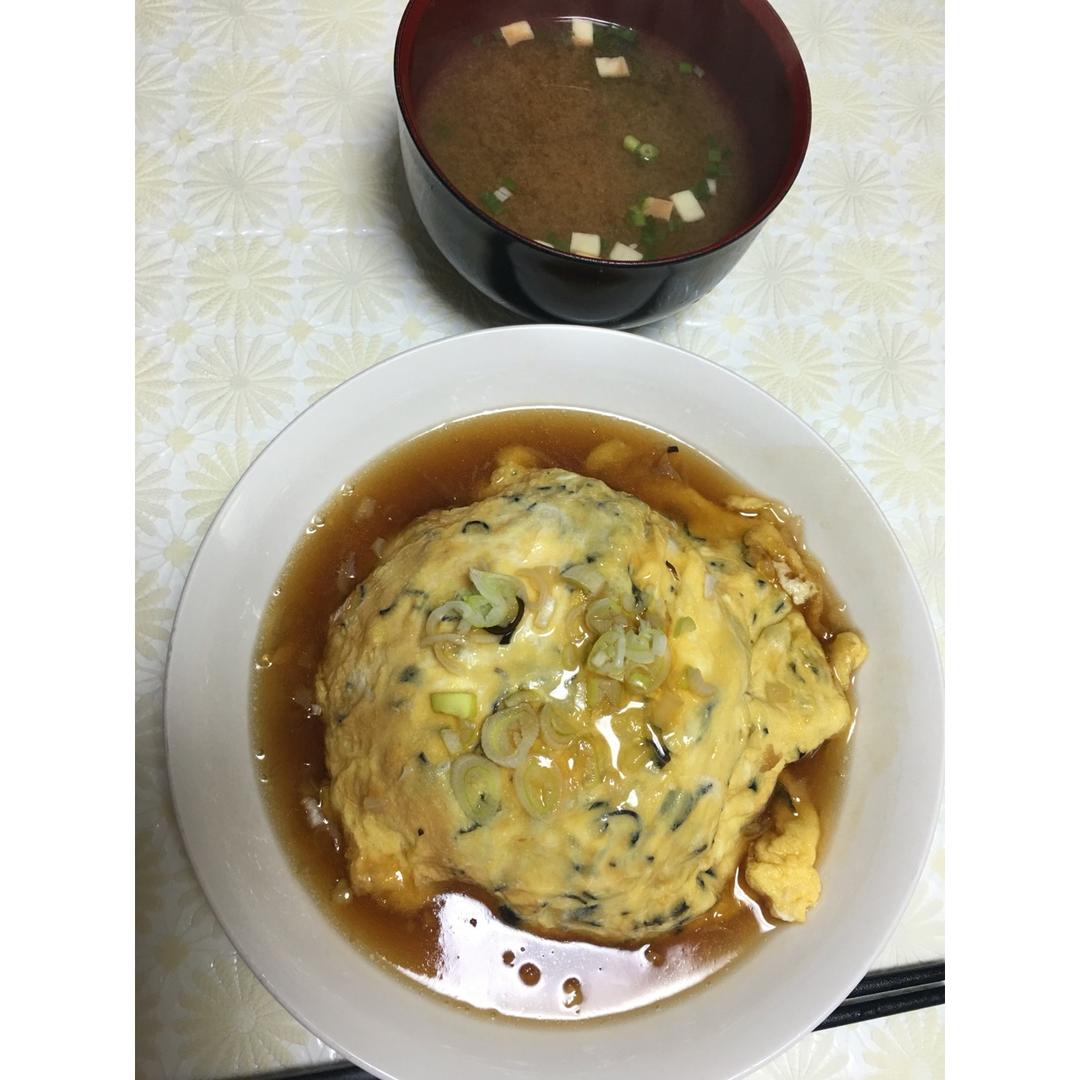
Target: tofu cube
{"x":581,"y":31}
{"x":515,"y":33}
{"x":712,"y":185}
{"x":584,"y":243}
{"x":612,"y":67}
{"x":621,"y":252}
{"x":687,"y":205}
{"x":660,"y":208}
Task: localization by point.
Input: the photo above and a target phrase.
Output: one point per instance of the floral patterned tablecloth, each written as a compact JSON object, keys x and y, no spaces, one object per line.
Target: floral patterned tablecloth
{"x":277,"y":254}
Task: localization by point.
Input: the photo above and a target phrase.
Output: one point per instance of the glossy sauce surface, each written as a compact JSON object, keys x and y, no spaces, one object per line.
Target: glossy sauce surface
{"x":458,"y":944}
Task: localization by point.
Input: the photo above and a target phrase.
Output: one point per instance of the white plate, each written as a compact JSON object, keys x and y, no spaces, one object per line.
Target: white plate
{"x":888,"y":808}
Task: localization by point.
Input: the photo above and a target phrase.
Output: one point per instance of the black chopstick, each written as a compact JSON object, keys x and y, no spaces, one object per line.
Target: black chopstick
{"x":878,"y":994}
{"x":890,"y":991}
{"x":854,"y":1012}
{"x":890,"y":980}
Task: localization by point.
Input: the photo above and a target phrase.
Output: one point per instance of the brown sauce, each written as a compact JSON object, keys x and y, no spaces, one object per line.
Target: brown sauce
{"x":457,"y":944}
{"x":539,"y":118}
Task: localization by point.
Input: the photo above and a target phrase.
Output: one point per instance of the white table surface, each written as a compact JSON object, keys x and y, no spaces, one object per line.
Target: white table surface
{"x":277,"y":254}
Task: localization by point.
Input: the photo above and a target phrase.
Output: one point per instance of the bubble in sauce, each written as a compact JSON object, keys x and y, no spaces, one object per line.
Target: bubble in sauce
{"x":573,"y":995}
{"x":655,"y":955}
{"x":530,"y":974}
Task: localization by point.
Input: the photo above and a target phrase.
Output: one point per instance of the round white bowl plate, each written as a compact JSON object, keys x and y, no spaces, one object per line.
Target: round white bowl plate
{"x":889,"y":805}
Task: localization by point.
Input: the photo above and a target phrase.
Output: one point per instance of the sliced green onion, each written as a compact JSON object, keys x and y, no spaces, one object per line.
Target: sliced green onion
{"x":702,"y":190}
{"x":510,"y":185}
{"x":641,"y":679}
{"x":446,"y":652}
{"x":459,"y":703}
{"x":452,"y":610}
{"x":477,"y":786}
{"x":491,"y":202}
{"x":585,"y":759}
{"x":558,"y":722}
{"x":636,"y":216}
{"x":647,"y":645}
{"x":617,"y":647}
{"x":608,"y":654}
{"x":451,"y":740}
{"x":684,"y":625}
{"x":538,"y":784}
{"x":484,"y":612}
{"x":491,"y":585}
{"x":589,"y":578}
{"x":533,"y":698}
{"x":712,"y":168}
{"x":605,"y":614}
{"x":495,"y":601}
{"x":508,"y":735}
{"x":696,"y":684}
{"x":685,"y":67}
{"x":630,"y":143}
{"x":716,"y":154}
{"x":601,"y":692}
{"x":647,"y":152}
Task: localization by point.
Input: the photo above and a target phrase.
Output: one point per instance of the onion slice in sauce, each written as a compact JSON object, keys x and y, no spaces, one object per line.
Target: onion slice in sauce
{"x":477,"y":786}
{"x":558,"y":723}
{"x":459,"y":703}
{"x":543,"y":580}
{"x":588,"y":577}
{"x":538,"y":785}
{"x":452,"y":609}
{"x":605,"y":614}
{"x":496,"y":602}
{"x":695,"y":682}
{"x":508,"y":735}
{"x":448,"y":654}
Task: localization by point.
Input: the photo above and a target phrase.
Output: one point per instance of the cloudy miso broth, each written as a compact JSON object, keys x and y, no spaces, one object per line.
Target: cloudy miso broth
{"x":461,"y":943}
{"x":534,"y":136}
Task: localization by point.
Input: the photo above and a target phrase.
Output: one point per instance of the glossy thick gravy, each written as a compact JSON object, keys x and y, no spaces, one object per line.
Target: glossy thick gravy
{"x":458,"y":945}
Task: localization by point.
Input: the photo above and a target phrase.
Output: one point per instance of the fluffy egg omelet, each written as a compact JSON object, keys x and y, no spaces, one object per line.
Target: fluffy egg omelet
{"x":563,"y":697}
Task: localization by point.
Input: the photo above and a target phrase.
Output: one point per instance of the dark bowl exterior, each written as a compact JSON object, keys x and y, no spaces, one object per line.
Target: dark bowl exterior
{"x":541,"y":284}
{"x":548,"y":286}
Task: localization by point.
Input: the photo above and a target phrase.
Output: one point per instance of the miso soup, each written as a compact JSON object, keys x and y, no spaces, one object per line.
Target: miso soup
{"x":591,"y":138}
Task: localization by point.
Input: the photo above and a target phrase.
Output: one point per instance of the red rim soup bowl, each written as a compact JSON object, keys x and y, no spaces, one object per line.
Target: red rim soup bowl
{"x":758,"y":67}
